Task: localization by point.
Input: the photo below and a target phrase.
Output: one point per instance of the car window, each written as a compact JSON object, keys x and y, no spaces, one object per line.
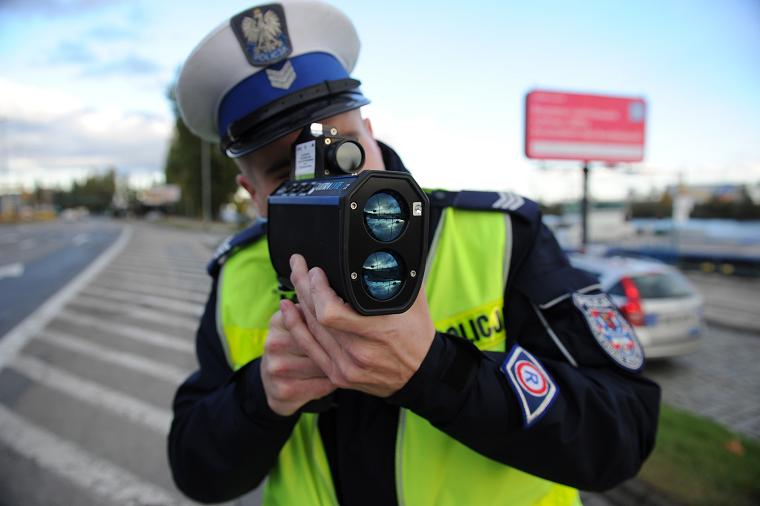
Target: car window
{"x":661,"y":285}
{"x":617,"y":289}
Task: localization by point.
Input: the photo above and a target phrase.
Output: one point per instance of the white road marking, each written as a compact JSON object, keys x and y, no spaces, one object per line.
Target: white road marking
{"x":8,"y":238}
{"x":177,"y":306}
{"x":108,"y":482}
{"x":151,"y":280}
{"x":98,"y":395}
{"x":17,"y":337}
{"x":26,"y":244}
{"x":80,"y":239}
{"x":198,"y":276}
{"x":131,"y":361}
{"x":14,"y":270}
{"x":129,"y":331}
{"x":138,"y":313}
{"x":157,"y":290}
{"x":165,"y":266}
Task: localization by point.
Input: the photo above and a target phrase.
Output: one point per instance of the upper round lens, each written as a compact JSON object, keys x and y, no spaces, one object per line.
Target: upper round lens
{"x":384,"y":216}
{"x":349,"y":156}
{"x":382,"y":275}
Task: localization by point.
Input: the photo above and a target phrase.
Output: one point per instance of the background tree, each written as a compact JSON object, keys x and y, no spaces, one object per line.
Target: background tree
{"x":183,"y":168}
{"x":95,"y":193}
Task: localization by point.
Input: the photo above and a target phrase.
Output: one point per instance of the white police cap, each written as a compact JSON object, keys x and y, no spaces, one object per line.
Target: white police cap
{"x":269,"y":71}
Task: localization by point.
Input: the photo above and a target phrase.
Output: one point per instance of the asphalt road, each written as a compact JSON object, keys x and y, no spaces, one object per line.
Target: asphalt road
{"x":85,"y":404}
{"x":37,"y":259}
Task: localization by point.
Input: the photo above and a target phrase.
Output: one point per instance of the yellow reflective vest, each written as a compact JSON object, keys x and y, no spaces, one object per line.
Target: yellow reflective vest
{"x":464,"y":282}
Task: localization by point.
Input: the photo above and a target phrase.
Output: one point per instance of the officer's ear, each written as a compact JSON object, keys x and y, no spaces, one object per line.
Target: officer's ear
{"x":243,"y":181}
{"x":368,"y":126}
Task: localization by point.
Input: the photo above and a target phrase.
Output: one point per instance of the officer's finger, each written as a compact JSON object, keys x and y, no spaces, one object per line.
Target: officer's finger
{"x":299,"y":276}
{"x":297,"y":327}
{"x":330,"y":309}
{"x":327,"y":339}
{"x":281,"y":342}
{"x":292,"y":367}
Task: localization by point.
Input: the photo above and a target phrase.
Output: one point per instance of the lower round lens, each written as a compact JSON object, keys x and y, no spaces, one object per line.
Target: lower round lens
{"x":382,"y":275}
{"x":384,"y":216}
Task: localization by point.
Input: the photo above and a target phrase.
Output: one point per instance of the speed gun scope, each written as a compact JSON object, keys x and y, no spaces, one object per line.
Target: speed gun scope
{"x":367,"y":230}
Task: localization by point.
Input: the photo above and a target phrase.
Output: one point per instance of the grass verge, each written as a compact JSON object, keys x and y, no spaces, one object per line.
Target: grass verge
{"x":699,"y":462}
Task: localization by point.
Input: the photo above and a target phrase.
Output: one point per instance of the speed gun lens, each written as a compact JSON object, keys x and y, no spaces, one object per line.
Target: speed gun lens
{"x":382,"y":275}
{"x":384,"y":216}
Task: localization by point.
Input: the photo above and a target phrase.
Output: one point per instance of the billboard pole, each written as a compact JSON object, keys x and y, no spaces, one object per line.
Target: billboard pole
{"x":584,"y":208}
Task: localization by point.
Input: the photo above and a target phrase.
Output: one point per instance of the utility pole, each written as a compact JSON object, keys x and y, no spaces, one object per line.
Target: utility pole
{"x":206,"y":180}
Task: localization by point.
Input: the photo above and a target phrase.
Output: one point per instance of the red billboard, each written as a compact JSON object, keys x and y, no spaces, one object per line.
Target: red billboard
{"x":573,"y":126}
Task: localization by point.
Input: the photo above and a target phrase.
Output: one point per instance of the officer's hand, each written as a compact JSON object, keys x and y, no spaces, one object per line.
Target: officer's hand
{"x":290,"y":377}
{"x":373,"y":354}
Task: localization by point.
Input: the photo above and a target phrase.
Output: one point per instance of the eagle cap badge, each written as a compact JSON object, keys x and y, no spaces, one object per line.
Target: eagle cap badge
{"x":263,"y":34}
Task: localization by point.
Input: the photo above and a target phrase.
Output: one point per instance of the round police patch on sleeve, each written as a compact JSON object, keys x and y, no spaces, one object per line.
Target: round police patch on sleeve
{"x":534,"y":388}
{"x":611,"y":330}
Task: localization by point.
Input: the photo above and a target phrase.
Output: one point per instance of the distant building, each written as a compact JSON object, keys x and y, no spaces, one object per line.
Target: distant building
{"x":160,"y":196}
{"x":703,"y":193}
{"x":10,"y":206}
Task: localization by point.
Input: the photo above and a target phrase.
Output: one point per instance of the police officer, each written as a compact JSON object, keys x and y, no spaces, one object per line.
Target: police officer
{"x":511,"y":380}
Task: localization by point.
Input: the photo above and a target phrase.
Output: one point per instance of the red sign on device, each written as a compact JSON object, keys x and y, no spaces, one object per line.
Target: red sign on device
{"x":571,"y":126}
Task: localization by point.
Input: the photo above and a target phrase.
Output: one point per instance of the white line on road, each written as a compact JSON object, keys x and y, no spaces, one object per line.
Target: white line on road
{"x":194,"y":290}
{"x":137,"y":313}
{"x":14,"y":270}
{"x":131,"y":361}
{"x":198,"y":268}
{"x":80,"y":239}
{"x":8,"y":238}
{"x":177,"y":306}
{"x":135,"y":333}
{"x":108,"y":482}
{"x":27,"y":244}
{"x":157,"y":290}
{"x":17,"y":337}
{"x":199,"y":276}
{"x":121,"y":404}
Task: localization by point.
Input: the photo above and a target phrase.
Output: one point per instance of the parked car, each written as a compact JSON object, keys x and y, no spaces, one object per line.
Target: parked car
{"x":665,"y":309}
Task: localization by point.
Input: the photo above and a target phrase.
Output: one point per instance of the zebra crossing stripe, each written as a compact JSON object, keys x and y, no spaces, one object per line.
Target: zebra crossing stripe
{"x":130,"y":332}
{"x":108,"y":482}
{"x":163,"y":274}
{"x":177,"y":306}
{"x":151,"y":280}
{"x":155,"y":290}
{"x":508,"y":201}
{"x":93,"y":393}
{"x":131,"y":361}
{"x":136,"y":312}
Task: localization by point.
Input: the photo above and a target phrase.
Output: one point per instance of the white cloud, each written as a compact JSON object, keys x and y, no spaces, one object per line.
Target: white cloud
{"x":50,"y":136}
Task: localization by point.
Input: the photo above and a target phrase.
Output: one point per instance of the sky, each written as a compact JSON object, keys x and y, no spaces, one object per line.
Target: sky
{"x":83,"y":86}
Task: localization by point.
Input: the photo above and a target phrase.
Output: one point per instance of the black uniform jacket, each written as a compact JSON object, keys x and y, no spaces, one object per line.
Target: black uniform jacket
{"x":601,"y":426}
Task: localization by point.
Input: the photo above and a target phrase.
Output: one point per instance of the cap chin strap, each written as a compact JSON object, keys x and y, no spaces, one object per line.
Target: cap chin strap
{"x":240,"y":128}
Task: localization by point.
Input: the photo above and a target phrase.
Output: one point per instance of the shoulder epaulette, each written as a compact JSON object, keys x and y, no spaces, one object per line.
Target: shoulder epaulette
{"x":487,"y":201}
{"x":234,"y":242}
